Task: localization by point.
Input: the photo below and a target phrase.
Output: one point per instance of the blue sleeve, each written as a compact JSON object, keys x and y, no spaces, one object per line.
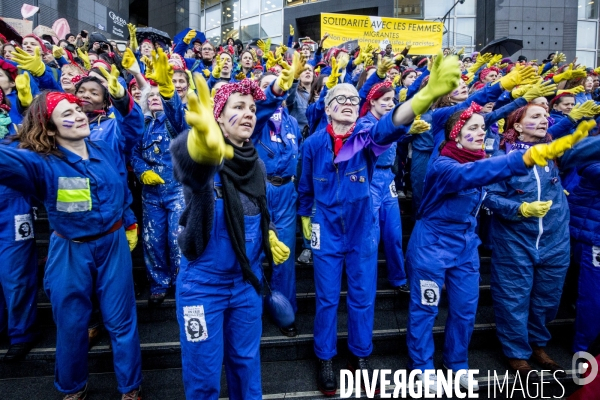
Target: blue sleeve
{"x":175,"y":112}
{"x":414,"y":88}
{"x":181,"y":48}
{"x":266,"y":108}
{"x":564,"y":127}
{"x":292,"y":93}
{"x":316,"y":59}
{"x":385,"y":132}
{"x":132,"y":119}
{"x":290,"y":41}
{"x":503,"y":112}
{"x":316,"y":110}
{"x":504,"y":99}
{"x":582,"y":154}
{"x":138,"y":163}
{"x":473,"y":174}
{"x":47,"y":81}
{"x":366,"y":88}
{"x":306,"y":193}
{"x":22,"y":170}
{"x":61,"y":61}
{"x":546,"y":67}
{"x":496,"y":200}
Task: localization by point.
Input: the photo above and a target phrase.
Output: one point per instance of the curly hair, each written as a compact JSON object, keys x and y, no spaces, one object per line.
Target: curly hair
{"x":33,"y":134}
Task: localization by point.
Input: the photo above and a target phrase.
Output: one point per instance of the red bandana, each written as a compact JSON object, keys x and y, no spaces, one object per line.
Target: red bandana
{"x":463,"y":156}
{"x":338,"y":140}
{"x":53,"y":98}
{"x":9,"y":68}
{"x":486,"y":71}
{"x":4,"y":107}
{"x":464,"y":117}
{"x":246,"y":86}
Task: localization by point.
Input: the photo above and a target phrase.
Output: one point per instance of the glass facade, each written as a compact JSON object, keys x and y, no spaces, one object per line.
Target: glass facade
{"x":460,"y":24}
{"x":241,"y":19}
{"x":587,"y":33}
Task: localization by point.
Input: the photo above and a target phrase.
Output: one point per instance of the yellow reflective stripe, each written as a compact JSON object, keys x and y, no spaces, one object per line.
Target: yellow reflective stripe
{"x":74,"y":195}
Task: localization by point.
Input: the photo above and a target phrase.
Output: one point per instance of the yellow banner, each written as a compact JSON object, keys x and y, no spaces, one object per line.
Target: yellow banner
{"x":425,"y":37}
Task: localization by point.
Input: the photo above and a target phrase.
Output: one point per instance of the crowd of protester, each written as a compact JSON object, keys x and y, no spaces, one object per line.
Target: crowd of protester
{"x":239,"y":148}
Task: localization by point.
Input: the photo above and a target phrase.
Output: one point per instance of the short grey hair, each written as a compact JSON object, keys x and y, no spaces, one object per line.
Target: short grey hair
{"x":333,"y":92}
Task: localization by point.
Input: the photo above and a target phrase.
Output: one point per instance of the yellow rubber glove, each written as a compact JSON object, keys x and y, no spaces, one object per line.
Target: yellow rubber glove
{"x":240,"y":76}
{"x":272,"y":61}
{"x":285,"y":80}
{"x":502,"y":66}
{"x":533,"y":61}
{"x":402,"y":94}
{"x":192,"y":85}
{"x":132,"y":236}
{"x":298,"y":64}
{"x":291,"y":30}
{"x":558,"y":58}
{"x":133,"y":44}
{"x":306,"y":227}
{"x":343,"y":59}
{"x":280,"y":50}
{"x":23,"y":86}
{"x":419,"y":126}
{"x":495,"y":60}
{"x":359,"y":59}
{"x":114,"y":87}
{"x":151,"y":178}
{"x":518,"y":76}
{"x":479,"y":62}
{"x":83,"y":56}
{"x":216,"y":71}
{"x":189,"y":36}
{"x":396,"y":81}
{"x":264,"y":46}
{"x":575,"y":90}
{"x":570,"y":73}
{"x":254,"y":55}
{"x":205,"y":142}
{"x":31,"y":63}
{"x":383,"y":66}
{"x":399,"y":58}
{"x":206,"y":72}
{"x":162,"y":74}
{"x":520,"y":91}
{"x":58,"y":51}
{"x":460,"y":52}
{"x":542,"y":89}
{"x":501,"y":125}
{"x":279,"y":250}
{"x":541,"y":153}
{"x":444,"y":78}
{"x":470,"y":78}
{"x":332,"y":79}
{"x":129,"y":62}
{"x":368,"y":60}
{"x":535,"y":208}
{"x":583,"y":110}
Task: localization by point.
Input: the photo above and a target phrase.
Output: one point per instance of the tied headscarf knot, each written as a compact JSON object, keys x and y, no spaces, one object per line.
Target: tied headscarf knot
{"x":464,"y":117}
{"x":244,"y":87}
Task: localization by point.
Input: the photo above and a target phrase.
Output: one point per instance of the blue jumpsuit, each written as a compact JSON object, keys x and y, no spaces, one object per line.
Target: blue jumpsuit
{"x":219,"y":314}
{"x":386,"y":209}
{"x":83,"y":198}
{"x":162,"y":204}
{"x":18,"y":269}
{"x":531,"y":255}
{"x":443,"y":250}
{"x":584,"y":203}
{"x":277,"y":146}
{"x":343,"y":234}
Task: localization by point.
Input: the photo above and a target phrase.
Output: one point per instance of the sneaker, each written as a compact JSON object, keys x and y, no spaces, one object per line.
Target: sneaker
{"x":156,"y":299}
{"x":361,"y":363}
{"x":433,"y":387}
{"x":81,"y":395}
{"x":305,"y":257}
{"x":135,"y":394}
{"x":403,"y":289}
{"x":464,"y":381}
{"x":326,"y":379}
{"x":289,"y":331}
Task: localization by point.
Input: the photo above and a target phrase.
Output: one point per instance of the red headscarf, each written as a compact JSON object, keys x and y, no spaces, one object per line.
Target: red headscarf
{"x":9,"y":68}
{"x":53,"y":98}
{"x":371,"y":96}
{"x":246,"y":86}
{"x":464,"y":117}
{"x":487,"y":71}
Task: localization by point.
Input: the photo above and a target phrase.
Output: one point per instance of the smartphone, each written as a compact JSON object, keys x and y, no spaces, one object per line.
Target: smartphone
{"x":83,"y":34}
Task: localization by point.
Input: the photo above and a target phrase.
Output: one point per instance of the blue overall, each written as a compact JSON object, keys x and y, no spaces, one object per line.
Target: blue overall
{"x":584,"y":202}
{"x":422,"y":147}
{"x":343,"y":234}
{"x":386,"y":209}
{"x":18,"y":269}
{"x":211,"y":290}
{"x":76,"y":270}
{"x":162,"y":204}
{"x":531,"y":255}
{"x":277,"y":146}
{"x":443,"y":250}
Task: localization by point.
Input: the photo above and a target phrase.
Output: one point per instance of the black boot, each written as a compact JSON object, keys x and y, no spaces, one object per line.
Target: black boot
{"x":326,"y":379}
{"x":18,"y":352}
{"x":360,"y":363}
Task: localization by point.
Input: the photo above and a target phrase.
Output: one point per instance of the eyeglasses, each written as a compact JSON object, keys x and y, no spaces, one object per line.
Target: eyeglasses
{"x":341,"y":99}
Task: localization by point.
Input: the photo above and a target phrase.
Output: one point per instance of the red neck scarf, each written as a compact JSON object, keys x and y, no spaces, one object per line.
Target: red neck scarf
{"x":463,"y":156}
{"x":338,"y":140}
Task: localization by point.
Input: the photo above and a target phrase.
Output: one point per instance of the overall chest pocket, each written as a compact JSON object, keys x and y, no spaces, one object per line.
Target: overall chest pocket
{"x":154,"y":146}
{"x":355,"y":184}
{"x":73,"y":195}
{"x":459,"y":206}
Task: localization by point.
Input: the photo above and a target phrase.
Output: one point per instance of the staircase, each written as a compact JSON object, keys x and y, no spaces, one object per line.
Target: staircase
{"x":288,"y":364}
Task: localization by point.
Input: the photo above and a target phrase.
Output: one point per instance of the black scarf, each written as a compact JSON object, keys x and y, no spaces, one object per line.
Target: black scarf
{"x":243,"y":174}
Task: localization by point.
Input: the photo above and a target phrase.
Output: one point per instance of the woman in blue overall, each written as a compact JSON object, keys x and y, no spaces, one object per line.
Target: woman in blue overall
{"x":277,"y":143}
{"x":338,"y":164}
{"x":226,"y":230}
{"x":386,"y":210}
{"x":162,"y":194}
{"x":443,"y":246}
{"x":82,"y":184}
{"x":18,"y":270}
{"x":530,"y":237}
